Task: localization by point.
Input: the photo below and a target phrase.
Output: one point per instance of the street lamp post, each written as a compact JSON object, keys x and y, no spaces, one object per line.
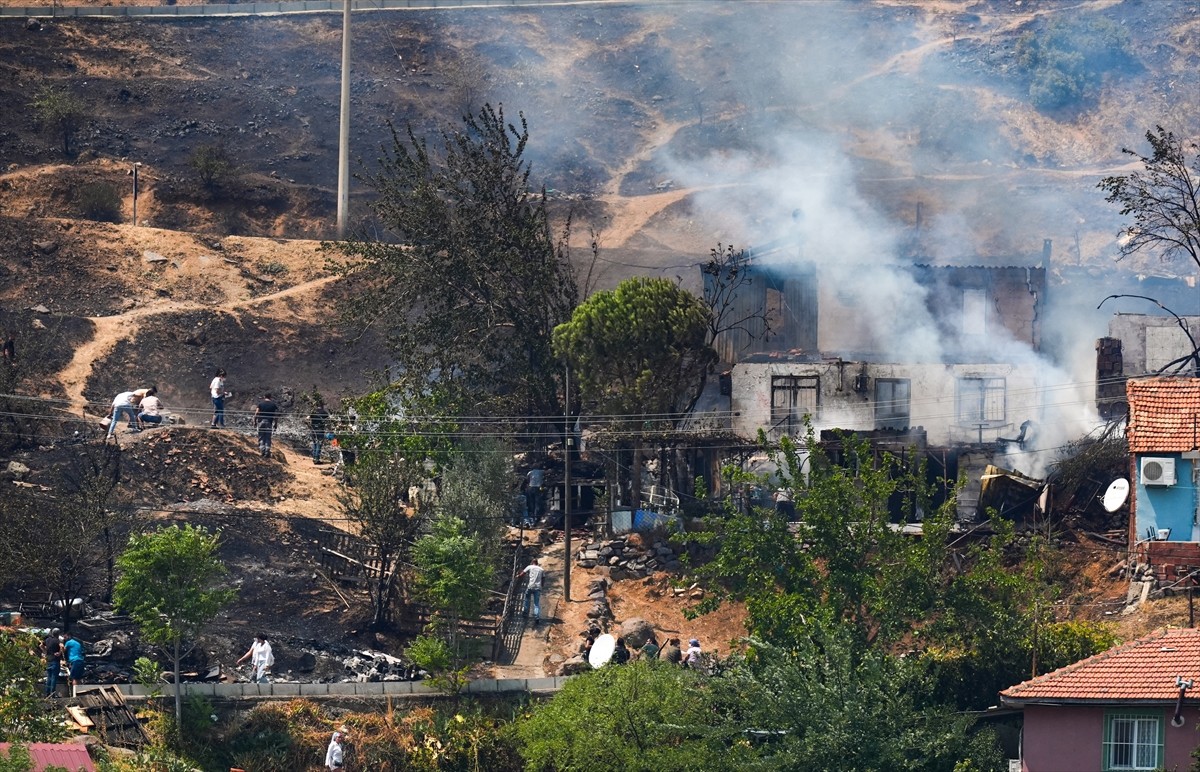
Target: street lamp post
{"x":135,"y":191}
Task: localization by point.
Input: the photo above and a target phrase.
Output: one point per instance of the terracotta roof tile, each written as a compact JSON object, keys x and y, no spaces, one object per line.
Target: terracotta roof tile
{"x":1164,"y":414}
{"x":1140,"y":670}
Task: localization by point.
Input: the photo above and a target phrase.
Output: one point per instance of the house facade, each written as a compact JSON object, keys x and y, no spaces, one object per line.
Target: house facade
{"x":955,"y":404}
{"x":1163,"y":434}
{"x":1129,"y":708}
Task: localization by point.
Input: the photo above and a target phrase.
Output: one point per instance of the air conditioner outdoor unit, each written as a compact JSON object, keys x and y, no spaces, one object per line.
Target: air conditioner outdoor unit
{"x":1158,"y":471}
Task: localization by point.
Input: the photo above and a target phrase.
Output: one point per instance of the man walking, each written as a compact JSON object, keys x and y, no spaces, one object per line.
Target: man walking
{"x":265,"y":413}
{"x":52,"y":649}
{"x":533,"y":590}
{"x":261,"y":659}
{"x":334,"y":757}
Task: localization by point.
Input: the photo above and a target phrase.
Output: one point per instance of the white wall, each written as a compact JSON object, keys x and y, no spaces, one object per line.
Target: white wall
{"x":933,"y":401}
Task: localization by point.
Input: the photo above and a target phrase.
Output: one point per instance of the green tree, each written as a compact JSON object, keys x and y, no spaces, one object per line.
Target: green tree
{"x":453,"y":574}
{"x":476,"y":486}
{"x":376,"y":499}
{"x":1065,"y":61}
{"x":640,"y":716}
{"x":827,"y":703}
{"x":23,"y":716}
{"x":211,"y":164}
{"x":60,"y":112}
{"x":471,"y":278}
{"x":639,"y":351}
{"x":1163,"y":199}
{"x":169,"y":585}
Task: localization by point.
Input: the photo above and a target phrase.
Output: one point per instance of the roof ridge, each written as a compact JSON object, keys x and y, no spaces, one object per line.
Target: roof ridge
{"x":1120,"y":648}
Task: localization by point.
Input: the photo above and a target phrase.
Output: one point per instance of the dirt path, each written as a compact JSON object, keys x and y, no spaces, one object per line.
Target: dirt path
{"x":532,"y":658}
{"x":110,"y":330}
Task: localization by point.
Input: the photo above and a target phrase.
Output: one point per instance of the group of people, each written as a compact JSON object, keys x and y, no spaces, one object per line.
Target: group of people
{"x":650,"y":650}
{"x":59,"y":647}
{"x":141,"y":408}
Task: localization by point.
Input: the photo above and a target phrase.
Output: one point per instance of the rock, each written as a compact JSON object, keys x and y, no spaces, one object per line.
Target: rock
{"x":40,"y":309}
{"x":17,"y":470}
{"x":33,"y":25}
{"x":636,"y":631}
{"x":38,"y":324}
{"x":574,"y":666}
{"x":153,"y":257}
{"x":45,"y":247}
{"x":306,"y":662}
{"x":587,"y":564}
{"x":696,"y":594}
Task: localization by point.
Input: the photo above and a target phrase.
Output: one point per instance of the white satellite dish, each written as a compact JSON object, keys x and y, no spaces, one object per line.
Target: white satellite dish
{"x":1116,"y":494}
{"x":602,"y":650}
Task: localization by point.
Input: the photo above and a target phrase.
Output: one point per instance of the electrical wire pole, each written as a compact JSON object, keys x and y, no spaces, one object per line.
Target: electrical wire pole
{"x":567,"y":442}
{"x":343,"y":203}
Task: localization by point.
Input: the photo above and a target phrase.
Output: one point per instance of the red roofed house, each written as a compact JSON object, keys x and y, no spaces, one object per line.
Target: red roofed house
{"x":1163,"y":432}
{"x":69,"y":756}
{"x":1123,"y":709}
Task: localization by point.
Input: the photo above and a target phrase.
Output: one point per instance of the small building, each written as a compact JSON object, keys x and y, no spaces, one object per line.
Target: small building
{"x":69,"y":756}
{"x":1163,"y":435}
{"x":1128,"y":708}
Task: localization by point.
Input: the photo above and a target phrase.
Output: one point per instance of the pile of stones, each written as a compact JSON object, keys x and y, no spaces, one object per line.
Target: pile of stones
{"x":626,"y":559}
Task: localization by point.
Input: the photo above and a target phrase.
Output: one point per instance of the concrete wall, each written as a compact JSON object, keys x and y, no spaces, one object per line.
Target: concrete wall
{"x":374,"y":689}
{"x":1150,"y":342}
{"x":933,"y":401}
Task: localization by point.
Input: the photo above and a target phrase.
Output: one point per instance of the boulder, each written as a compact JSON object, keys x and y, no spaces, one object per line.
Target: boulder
{"x":636,"y":631}
{"x":45,"y":247}
{"x":17,"y":470}
{"x":574,"y":666}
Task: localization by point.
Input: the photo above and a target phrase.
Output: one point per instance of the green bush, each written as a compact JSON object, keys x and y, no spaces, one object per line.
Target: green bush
{"x":99,"y":201}
{"x":1065,"y":61}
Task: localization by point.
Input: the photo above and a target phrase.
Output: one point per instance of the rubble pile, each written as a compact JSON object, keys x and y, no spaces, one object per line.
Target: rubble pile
{"x":627,"y":559}
{"x":186,"y":465}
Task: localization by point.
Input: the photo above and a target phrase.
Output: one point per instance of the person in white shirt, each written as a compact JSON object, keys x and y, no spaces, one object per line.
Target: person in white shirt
{"x":691,"y":657}
{"x":261,"y":659}
{"x":125,"y":404}
{"x":217,"y":390}
{"x":334,"y":758}
{"x":151,"y":408}
{"x":533,"y":589}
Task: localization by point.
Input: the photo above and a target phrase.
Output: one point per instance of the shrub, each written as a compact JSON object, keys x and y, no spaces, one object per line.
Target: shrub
{"x":211,"y":164}
{"x":1065,"y":61}
{"x":99,"y":201}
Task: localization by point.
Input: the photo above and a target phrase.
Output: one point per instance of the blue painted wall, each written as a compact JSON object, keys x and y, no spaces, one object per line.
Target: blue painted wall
{"x":1172,"y":506}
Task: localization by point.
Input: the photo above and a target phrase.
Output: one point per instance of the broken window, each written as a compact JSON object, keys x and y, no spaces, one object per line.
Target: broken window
{"x":981,"y":401}
{"x":974,"y":318}
{"x":892,"y":403}
{"x":792,"y":398}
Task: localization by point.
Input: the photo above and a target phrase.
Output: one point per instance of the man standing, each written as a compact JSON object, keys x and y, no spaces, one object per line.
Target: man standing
{"x":534,"y":481}
{"x":261,"y":659}
{"x":52,"y":649}
{"x":533,"y":589}
{"x":219,"y":395}
{"x":10,"y":349}
{"x":75,"y":659}
{"x":265,"y":413}
{"x":318,"y":424}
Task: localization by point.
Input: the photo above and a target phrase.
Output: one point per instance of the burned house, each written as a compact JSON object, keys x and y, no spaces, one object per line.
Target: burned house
{"x":1139,"y":345}
{"x":977,"y":386}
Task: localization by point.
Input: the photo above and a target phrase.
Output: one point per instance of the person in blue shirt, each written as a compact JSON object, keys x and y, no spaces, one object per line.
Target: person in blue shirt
{"x":73,"y":650}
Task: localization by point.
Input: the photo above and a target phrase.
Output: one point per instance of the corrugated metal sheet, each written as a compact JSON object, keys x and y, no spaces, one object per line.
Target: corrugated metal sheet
{"x":71,"y":757}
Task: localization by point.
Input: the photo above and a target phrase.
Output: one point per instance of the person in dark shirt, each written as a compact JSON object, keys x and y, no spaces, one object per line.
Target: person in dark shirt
{"x":52,"y":650}
{"x":620,"y":654}
{"x":671,"y":652}
{"x":265,"y":413}
{"x":318,"y":424}
{"x":10,"y":349}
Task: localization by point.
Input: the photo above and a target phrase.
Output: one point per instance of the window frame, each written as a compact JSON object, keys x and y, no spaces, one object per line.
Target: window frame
{"x":888,"y":420}
{"x":1111,"y":717}
{"x":798,"y":385}
{"x":993,"y":386}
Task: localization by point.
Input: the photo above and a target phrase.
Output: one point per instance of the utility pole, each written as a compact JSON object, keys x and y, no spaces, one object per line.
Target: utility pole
{"x":343,"y":204}
{"x":135,"y":191}
{"x":568,"y":441}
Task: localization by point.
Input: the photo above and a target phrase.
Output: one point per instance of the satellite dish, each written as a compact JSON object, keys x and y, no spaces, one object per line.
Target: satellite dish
{"x":1116,"y":494}
{"x":602,"y":650}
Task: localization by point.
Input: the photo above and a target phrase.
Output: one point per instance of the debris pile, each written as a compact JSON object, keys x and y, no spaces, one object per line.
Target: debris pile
{"x":627,"y":559}
{"x":186,"y":465}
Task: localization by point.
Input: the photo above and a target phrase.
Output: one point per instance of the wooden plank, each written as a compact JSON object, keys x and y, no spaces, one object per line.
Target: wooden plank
{"x":80,"y":717}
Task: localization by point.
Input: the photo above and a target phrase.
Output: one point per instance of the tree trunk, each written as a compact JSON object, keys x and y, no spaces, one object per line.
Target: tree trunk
{"x":635,"y":481}
{"x":178,"y":689}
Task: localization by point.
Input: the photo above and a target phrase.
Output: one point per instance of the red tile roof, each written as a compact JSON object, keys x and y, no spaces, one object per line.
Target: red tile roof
{"x":67,"y":755}
{"x":1164,"y":414}
{"x":1139,"y":671}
